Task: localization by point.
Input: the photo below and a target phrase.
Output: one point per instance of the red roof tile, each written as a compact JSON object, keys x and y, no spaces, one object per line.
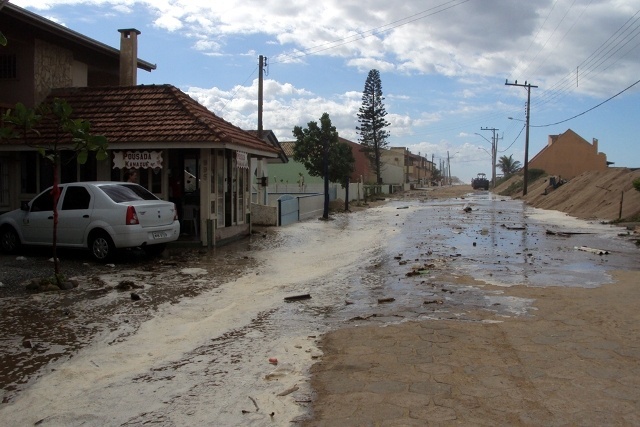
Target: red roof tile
{"x":151,"y":114}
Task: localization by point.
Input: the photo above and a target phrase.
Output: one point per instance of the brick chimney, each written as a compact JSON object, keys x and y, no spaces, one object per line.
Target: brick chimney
{"x":129,"y":57}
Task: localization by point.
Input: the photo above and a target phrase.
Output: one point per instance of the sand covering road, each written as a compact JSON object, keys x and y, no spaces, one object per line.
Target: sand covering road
{"x":574,"y":362}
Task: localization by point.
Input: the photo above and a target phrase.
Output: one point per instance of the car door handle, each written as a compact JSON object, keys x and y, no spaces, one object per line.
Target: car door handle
{"x":85,"y":216}
{"x":51,"y":217}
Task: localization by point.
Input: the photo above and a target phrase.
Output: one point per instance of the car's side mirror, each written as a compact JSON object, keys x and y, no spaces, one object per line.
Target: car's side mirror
{"x":24,"y":205}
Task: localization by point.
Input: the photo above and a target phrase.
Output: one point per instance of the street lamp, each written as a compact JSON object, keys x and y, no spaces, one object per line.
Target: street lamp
{"x":485,"y":150}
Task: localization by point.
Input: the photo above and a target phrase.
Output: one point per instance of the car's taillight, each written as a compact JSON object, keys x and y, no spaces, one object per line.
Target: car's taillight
{"x":175,"y":212}
{"x":132,"y":216}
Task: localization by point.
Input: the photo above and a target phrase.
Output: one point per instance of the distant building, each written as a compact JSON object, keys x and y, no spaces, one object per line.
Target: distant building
{"x":400,"y":166}
{"x":289,"y":173}
{"x":568,"y":155}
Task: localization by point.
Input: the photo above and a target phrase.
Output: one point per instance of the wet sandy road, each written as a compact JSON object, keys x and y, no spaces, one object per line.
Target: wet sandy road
{"x":195,"y":347}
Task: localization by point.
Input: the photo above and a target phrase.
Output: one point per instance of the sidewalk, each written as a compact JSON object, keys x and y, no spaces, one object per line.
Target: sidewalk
{"x":575,"y":362}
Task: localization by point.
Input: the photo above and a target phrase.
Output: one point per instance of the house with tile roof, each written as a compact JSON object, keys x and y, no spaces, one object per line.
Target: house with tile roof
{"x":567,"y":155}
{"x":182,"y":151}
{"x":289,"y":173}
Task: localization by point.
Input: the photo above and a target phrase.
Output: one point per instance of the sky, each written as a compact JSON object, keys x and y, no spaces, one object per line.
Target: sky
{"x":443,"y":66}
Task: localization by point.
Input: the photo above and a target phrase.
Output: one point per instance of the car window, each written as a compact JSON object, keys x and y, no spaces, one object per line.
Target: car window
{"x":127,"y":192}
{"x":76,"y":198}
{"x":43,"y":203}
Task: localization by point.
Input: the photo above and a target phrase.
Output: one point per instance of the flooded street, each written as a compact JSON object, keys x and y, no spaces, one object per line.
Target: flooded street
{"x":199,"y":346}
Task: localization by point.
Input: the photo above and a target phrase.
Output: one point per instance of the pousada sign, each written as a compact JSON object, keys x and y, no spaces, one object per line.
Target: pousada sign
{"x":137,"y":159}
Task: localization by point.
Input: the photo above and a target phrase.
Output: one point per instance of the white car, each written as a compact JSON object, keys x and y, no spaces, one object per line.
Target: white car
{"x":99,"y":216}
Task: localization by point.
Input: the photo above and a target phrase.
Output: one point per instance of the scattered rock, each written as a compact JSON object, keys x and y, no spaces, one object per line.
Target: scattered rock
{"x":135,"y":297}
{"x":66,"y":286}
{"x":126,"y":285}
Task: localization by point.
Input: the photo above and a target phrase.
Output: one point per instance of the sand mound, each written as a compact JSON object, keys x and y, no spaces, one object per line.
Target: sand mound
{"x":604,"y":195}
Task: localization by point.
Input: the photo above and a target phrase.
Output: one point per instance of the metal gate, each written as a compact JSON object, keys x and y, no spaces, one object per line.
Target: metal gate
{"x":288,"y":210}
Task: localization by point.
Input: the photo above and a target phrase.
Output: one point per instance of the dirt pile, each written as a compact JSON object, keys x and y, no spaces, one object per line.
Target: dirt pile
{"x":602,"y":195}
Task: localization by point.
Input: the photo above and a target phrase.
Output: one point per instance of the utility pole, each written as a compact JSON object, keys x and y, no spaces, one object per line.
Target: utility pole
{"x":449,"y":166}
{"x":527,"y":86}
{"x":433,"y":158}
{"x":262,"y":189}
{"x":406,"y":165}
{"x":494,"y":153}
{"x":262,"y":63}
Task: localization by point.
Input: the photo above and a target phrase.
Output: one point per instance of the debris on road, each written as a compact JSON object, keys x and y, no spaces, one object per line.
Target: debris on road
{"x":564,"y":233}
{"x":298,"y":297}
{"x":289,"y":390}
{"x":592,"y":250}
{"x":514,"y":227}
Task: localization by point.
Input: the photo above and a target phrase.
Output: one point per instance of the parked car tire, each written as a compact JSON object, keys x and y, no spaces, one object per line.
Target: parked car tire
{"x":101,"y":246}
{"x":9,"y":240}
{"x":154,"y":250}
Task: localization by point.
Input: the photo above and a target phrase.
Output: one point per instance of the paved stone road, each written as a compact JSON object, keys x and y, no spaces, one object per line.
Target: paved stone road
{"x":575,"y":362}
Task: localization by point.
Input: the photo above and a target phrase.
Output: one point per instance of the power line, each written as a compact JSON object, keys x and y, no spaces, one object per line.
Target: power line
{"x":240,"y":86}
{"x":590,"y":109}
{"x":373,"y":32}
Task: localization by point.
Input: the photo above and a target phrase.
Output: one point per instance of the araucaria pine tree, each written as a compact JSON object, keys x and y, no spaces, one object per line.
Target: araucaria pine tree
{"x":371,"y":117}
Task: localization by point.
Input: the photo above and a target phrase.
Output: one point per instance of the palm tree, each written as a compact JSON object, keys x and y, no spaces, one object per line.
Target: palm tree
{"x":508,"y":165}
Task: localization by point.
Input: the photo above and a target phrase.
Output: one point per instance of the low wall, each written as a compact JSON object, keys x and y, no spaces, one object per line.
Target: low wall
{"x":310,"y":206}
{"x":264,"y":215}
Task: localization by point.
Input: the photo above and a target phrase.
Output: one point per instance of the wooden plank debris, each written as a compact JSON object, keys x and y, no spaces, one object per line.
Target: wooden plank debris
{"x":297,"y":297}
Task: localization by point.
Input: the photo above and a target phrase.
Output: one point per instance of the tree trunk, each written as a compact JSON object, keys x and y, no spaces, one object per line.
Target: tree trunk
{"x":346,"y":195}
{"x":325,"y":167}
{"x":56,"y":197}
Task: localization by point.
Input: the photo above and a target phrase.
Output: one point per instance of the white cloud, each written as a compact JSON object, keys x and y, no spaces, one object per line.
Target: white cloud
{"x":450,"y":39}
{"x":463,"y":50}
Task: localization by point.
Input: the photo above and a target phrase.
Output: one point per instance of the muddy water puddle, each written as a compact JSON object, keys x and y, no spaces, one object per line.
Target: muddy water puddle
{"x":482,"y":237}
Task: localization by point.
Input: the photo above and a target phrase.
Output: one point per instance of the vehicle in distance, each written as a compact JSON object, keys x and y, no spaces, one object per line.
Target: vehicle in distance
{"x":99,"y":216}
{"x":480,"y":182}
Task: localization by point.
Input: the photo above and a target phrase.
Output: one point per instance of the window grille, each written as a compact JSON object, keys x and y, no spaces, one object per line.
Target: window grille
{"x":8,"y":66}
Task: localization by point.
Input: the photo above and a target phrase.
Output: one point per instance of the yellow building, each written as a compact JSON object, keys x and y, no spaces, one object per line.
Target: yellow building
{"x":568,"y":155}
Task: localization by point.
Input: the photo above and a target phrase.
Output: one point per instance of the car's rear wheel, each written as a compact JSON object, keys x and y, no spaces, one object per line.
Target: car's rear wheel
{"x":101,"y":246}
{"x":9,"y":240}
{"x":154,"y":250}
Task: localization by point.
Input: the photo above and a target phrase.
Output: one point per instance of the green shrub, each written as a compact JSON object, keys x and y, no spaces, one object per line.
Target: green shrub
{"x":636,"y":184}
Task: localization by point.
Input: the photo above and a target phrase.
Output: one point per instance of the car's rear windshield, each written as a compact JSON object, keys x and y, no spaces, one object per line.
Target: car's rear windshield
{"x":127,"y":192}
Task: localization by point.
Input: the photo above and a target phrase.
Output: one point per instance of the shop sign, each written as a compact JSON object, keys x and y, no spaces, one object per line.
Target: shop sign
{"x":242,"y":160}
{"x":137,"y":159}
